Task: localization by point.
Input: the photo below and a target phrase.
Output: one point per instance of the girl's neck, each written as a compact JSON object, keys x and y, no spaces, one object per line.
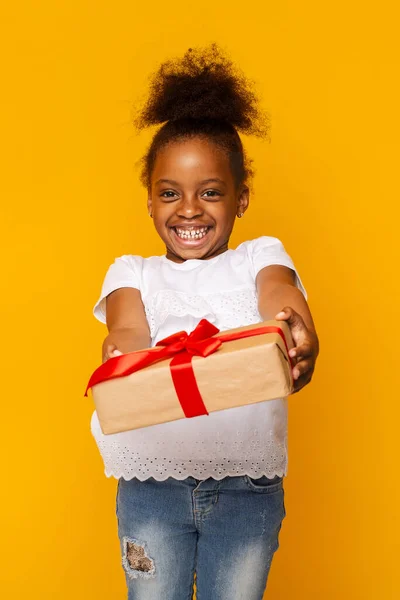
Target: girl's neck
{"x":179,"y":259}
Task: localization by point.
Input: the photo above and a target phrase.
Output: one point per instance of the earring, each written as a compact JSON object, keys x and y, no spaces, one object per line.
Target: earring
{"x":150,"y":215}
{"x":240,"y":215}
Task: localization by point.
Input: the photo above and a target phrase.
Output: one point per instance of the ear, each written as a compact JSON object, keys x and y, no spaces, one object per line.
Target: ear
{"x":243,"y":199}
{"x":149,"y":204}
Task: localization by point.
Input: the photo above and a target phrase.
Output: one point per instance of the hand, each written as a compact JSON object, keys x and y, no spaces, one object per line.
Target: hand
{"x":306,"y":347}
{"x":125,"y":340}
{"x":109,"y":351}
{"x":113,"y":346}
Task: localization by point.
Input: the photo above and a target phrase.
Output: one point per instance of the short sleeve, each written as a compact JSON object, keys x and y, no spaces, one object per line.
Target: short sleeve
{"x":266,"y":251}
{"x":124,"y":272}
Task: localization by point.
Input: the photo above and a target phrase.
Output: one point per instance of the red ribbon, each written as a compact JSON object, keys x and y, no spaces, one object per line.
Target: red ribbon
{"x":181,"y":347}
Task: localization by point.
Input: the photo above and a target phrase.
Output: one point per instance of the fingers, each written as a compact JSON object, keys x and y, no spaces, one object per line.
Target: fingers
{"x":110,"y":351}
{"x":301,"y":382}
{"x":302,"y":368}
{"x":305,"y":340}
{"x":291,"y":316}
{"x":302,"y":375}
{"x":306,"y":347}
{"x":302,"y":351}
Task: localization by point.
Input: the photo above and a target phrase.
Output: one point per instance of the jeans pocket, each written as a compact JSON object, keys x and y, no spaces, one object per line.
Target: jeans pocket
{"x":265,"y":485}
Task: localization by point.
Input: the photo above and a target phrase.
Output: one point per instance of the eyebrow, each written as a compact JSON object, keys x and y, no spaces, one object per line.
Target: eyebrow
{"x":211,"y":180}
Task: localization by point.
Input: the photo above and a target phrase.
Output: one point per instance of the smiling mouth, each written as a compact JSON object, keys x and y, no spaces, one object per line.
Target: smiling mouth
{"x":191,"y":233}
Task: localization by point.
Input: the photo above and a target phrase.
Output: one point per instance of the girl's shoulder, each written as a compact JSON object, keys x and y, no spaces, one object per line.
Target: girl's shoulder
{"x":260,"y":243}
{"x":137,"y":262}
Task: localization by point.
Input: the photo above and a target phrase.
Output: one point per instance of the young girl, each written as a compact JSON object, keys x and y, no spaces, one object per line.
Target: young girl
{"x":202,"y":495}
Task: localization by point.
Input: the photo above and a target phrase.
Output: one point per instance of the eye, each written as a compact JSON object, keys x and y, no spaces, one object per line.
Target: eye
{"x":211,"y":194}
{"x":168,"y":194}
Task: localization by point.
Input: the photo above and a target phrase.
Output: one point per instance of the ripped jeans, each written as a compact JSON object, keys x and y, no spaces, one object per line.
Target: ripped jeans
{"x":224,"y":531}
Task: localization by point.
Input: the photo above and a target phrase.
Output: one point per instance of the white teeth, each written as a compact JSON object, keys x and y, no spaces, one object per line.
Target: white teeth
{"x":191,"y":234}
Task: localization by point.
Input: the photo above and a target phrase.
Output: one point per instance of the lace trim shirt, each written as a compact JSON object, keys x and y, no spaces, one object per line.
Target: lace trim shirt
{"x":249,"y":440}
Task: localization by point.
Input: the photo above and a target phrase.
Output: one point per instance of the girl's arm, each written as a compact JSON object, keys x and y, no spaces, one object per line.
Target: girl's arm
{"x":126,"y":323}
{"x":279,"y":298}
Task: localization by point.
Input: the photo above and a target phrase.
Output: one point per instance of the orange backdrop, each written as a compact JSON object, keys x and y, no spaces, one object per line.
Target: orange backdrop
{"x":326,"y":185}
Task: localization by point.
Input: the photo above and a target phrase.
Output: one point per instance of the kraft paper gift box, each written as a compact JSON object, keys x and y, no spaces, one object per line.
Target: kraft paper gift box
{"x":192,"y":375}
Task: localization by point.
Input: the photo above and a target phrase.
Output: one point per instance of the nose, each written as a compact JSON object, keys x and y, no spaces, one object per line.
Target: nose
{"x":189,"y":207}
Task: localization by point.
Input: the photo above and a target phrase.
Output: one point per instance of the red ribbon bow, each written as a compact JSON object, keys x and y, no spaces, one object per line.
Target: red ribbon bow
{"x":181,"y":347}
{"x":198,"y":343}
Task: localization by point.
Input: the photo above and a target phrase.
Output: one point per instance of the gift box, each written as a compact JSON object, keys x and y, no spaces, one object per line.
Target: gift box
{"x":185,"y":376}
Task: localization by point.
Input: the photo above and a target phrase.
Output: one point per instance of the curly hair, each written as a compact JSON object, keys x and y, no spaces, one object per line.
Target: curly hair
{"x":204,"y":95}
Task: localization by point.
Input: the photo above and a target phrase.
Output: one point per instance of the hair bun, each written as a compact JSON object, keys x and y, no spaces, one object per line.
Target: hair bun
{"x":202,"y":85}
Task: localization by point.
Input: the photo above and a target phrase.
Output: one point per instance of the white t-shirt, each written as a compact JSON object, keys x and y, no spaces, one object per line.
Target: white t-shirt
{"x":249,"y":440}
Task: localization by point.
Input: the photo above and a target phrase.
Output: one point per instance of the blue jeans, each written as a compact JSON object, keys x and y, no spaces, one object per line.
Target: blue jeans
{"x":224,"y":531}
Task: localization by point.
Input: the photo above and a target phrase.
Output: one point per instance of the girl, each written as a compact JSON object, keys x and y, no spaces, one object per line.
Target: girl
{"x":201,"y":495}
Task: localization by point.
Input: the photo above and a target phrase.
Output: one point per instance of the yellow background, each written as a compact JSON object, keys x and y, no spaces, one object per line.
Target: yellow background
{"x":70,"y":202}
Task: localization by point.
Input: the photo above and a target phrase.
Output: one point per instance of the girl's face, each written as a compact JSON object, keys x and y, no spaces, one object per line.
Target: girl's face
{"x":194,"y":200}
